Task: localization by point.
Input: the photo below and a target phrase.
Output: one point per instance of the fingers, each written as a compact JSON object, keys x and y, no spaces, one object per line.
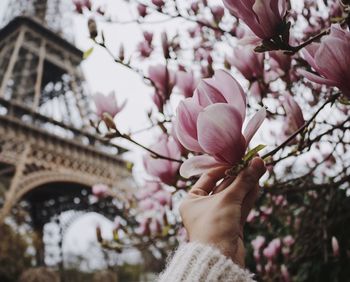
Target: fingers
{"x":207,"y":182}
{"x":226,"y":182}
{"x":247,"y":180}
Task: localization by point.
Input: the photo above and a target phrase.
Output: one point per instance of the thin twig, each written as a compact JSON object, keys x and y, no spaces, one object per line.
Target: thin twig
{"x":301,"y":129}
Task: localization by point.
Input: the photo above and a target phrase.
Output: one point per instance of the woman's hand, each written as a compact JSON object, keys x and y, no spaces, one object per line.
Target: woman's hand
{"x":215,"y":215}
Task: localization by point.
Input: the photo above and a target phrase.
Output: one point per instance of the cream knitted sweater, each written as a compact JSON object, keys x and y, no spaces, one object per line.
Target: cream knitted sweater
{"x":194,"y":262}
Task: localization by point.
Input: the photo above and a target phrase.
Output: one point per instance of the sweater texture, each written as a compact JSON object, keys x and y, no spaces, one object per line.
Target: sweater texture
{"x":194,"y":262}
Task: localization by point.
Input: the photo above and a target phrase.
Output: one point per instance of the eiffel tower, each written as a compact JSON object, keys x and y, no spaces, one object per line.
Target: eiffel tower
{"x":49,"y":155}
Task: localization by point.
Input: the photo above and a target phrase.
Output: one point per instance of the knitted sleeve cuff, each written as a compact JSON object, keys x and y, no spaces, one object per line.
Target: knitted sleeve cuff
{"x":199,"y":263}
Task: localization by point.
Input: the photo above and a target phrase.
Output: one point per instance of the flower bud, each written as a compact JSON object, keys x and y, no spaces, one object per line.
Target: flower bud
{"x":99,"y":234}
{"x":92,"y":26}
{"x":142,"y":10}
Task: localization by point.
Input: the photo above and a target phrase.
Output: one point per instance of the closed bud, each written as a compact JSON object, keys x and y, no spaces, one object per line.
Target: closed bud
{"x":92,"y":26}
{"x":107,"y":118}
{"x":165,"y":45}
{"x":142,"y":10}
{"x":99,"y":234}
{"x":121,"y":53}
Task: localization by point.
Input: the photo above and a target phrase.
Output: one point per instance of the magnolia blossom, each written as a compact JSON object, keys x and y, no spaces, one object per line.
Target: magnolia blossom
{"x":280,"y":62}
{"x":272,"y":249}
{"x":211,"y":122}
{"x":331,"y":60}
{"x":148,"y":36}
{"x":218,"y":12}
{"x":142,"y":10}
{"x":147,"y":204}
{"x":145,"y":49}
{"x":163,"y":79}
{"x":158,"y":3}
{"x":150,"y":188}
{"x":288,"y":240}
{"x":258,"y":242}
{"x":107,"y":104}
{"x":249,"y":63}
{"x":264,"y":17}
{"x":335,"y":246}
{"x":186,"y":82}
{"x":285,"y":273}
{"x":165,"y":170}
{"x":100,"y":190}
{"x":163,"y":198}
{"x":295,"y":118}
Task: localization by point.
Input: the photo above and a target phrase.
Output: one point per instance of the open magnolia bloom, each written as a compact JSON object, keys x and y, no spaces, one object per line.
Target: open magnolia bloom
{"x":330,"y":59}
{"x":107,"y":104}
{"x":264,"y":17}
{"x":211,"y":123}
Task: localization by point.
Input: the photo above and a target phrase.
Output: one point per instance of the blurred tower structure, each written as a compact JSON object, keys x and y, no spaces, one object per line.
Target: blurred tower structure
{"x":48,"y":154}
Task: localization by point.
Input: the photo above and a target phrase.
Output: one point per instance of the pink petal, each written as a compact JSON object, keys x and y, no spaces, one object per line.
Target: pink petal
{"x":198,"y":164}
{"x":333,"y":59}
{"x":230,"y":89}
{"x":186,"y":124}
{"x":316,"y":78}
{"x":219,"y":132}
{"x":254,"y":124}
{"x":309,"y":54}
{"x":206,"y":94}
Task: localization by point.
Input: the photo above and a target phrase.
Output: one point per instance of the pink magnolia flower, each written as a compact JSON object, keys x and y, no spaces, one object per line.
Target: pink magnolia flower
{"x":163,"y":197}
{"x":195,"y":7}
{"x":335,"y":246}
{"x":107,"y":104}
{"x":144,"y":227}
{"x":288,"y":240}
{"x":100,"y":190}
{"x":211,"y":122}
{"x":249,"y":63}
{"x":280,"y":62}
{"x":155,"y":226}
{"x":158,"y":3}
{"x":285,"y":273}
{"x":146,"y":204}
{"x":163,"y":79}
{"x":331,"y":60}
{"x":218,"y":12}
{"x":264,"y":17}
{"x":165,"y":44}
{"x":186,"y":82}
{"x":295,"y":118}
{"x":142,"y":10}
{"x":148,"y":36}
{"x":163,"y":169}
{"x":145,"y":49}
{"x":272,"y":249}
{"x":150,"y":188}
{"x":158,"y":101}
{"x":258,"y":242}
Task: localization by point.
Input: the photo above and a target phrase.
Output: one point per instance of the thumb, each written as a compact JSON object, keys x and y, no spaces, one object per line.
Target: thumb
{"x":247,"y":180}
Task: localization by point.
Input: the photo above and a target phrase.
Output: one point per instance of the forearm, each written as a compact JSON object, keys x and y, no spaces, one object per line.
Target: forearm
{"x":200,"y":263}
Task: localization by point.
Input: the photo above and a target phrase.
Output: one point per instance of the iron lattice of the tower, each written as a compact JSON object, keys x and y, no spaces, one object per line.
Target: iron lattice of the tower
{"x":49,"y":156}
{"x":54,"y":14}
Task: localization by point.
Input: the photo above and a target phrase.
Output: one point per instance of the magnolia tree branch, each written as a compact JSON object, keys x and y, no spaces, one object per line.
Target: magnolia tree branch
{"x":301,"y":129}
{"x":153,"y":153}
{"x":122,"y":62}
